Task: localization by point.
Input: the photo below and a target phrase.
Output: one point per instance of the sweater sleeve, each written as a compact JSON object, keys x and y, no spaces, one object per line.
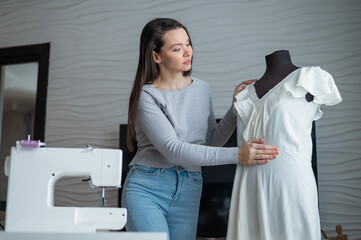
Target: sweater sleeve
{"x":160,"y":132}
{"x":219,"y":133}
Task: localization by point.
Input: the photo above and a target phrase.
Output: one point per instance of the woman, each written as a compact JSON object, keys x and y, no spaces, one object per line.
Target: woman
{"x":171,"y":118}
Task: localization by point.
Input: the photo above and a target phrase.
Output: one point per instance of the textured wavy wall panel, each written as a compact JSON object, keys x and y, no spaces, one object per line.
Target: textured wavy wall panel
{"x":94,"y":47}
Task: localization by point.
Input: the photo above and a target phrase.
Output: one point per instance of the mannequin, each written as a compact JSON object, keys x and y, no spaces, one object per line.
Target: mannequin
{"x":278,"y":66}
{"x":269,"y":201}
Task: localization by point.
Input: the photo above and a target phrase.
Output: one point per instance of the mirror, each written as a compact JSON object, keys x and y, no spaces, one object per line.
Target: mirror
{"x":18,"y":99}
{"x":23,"y":92}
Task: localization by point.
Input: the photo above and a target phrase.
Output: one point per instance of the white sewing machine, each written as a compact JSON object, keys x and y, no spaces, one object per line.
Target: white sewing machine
{"x":33,"y":173}
{"x":30,"y":210}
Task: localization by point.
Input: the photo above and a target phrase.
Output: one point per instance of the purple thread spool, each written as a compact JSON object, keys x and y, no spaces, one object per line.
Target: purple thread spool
{"x":29,"y":143}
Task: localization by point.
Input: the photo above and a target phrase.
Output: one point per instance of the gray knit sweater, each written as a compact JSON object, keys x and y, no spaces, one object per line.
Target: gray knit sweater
{"x":177,"y":127}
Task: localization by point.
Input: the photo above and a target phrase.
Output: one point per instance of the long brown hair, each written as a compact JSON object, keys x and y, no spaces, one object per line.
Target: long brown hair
{"x":151,"y":40}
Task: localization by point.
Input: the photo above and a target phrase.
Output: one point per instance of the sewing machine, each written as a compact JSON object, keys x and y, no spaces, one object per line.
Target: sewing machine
{"x":33,"y":172}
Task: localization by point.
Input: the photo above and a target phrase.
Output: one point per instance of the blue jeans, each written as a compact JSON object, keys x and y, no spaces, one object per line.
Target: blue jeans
{"x":163,"y":200}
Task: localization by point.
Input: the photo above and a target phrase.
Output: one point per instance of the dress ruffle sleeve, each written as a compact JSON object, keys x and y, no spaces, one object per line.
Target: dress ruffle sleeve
{"x":318,"y":82}
{"x":243,"y":106}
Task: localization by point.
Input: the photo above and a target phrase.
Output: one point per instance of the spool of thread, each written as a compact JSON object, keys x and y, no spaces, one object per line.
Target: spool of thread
{"x":31,"y":144}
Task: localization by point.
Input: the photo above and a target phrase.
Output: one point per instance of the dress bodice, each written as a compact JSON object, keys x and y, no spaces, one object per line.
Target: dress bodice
{"x":282,"y":116}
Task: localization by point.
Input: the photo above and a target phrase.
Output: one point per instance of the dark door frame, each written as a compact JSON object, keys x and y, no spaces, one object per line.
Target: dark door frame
{"x":33,"y":53}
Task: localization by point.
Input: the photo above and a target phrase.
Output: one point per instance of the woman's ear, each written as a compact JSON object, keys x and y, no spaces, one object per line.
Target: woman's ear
{"x":156,"y":57}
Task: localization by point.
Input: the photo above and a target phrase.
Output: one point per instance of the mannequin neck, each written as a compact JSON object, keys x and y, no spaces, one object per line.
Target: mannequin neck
{"x":279,"y":62}
{"x":278,"y":66}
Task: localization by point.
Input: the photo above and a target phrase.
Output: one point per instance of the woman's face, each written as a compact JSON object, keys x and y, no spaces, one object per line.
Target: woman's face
{"x":176,"y":53}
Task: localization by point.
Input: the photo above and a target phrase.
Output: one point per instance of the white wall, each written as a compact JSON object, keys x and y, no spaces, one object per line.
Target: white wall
{"x":94,"y":51}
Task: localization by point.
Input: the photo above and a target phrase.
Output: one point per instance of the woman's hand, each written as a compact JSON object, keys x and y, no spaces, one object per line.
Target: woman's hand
{"x":253,"y":152}
{"x":240,"y":87}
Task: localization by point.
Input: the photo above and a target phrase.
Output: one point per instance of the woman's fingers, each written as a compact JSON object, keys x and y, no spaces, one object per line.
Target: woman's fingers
{"x":247,"y":82}
{"x":257,"y":162}
{"x":254,"y":152}
{"x":259,"y":157}
{"x":259,"y":140}
{"x":266,"y":152}
{"x":241,"y":86}
{"x":259,"y":154}
{"x":257,"y":144}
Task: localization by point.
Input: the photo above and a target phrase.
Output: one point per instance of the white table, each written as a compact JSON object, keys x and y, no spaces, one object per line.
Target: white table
{"x":82,"y":236}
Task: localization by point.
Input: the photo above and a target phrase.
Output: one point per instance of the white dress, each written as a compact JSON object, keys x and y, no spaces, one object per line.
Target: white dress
{"x":279,"y":200}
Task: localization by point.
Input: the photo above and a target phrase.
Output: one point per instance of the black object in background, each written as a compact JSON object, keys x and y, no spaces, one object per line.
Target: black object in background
{"x":216,"y":197}
{"x":2,"y":205}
